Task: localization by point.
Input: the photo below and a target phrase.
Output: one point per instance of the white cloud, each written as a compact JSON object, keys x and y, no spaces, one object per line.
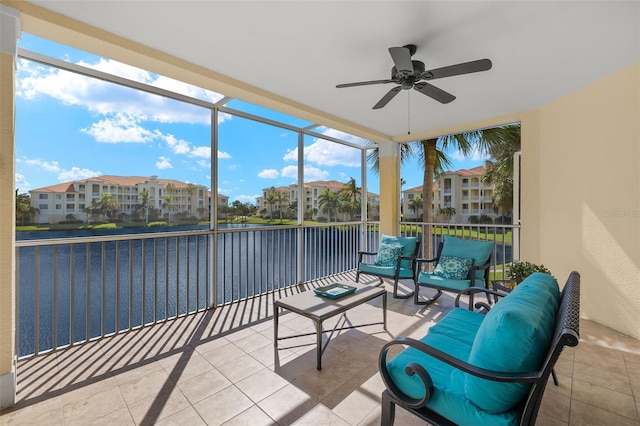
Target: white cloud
{"x":325,"y":153}
{"x":223,"y":155}
{"x":106,"y":98}
{"x":201,"y":152}
{"x":178,"y":146}
{"x":163,"y":163}
{"x":47,"y":166}
{"x":121,"y":128}
{"x":21,"y":182}
{"x":475,"y":156}
{"x":269,"y":174}
{"x":76,"y":173}
{"x":310,"y":173}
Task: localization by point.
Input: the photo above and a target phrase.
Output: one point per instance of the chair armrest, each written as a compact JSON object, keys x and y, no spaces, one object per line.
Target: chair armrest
{"x":414,"y":368}
{"x":421,"y":260}
{"x":470,"y":291}
{"x":361,"y":254}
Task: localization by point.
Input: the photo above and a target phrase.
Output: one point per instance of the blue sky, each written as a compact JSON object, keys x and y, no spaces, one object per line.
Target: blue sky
{"x":70,"y":127}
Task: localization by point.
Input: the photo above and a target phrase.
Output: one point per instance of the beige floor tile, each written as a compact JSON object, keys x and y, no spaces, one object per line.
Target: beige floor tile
{"x":158,"y":406}
{"x":286,"y":405}
{"x":240,"y":368}
{"x":253,"y":416}
{"x":95,"y":406}
{"x":206,"y":384}
{"x":583,"y":414}
{"x":608,"y":379}
{"x":223,"y":354}
{"x":261,"y":384}
{"x":121,"y":417}
{"x":555,"y":405}
{"x":142,"y":387}
{"x":222,"y":406}
{"x":320,"y":415}
{"x":186,"y":417}
{"x":606,"y":399}
{"x":83,"y":392}
{"x":48,"y":411}
{"x":190,"y":366}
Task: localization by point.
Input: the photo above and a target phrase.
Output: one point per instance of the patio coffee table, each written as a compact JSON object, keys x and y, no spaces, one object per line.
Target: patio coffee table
{"x":318,"y":309}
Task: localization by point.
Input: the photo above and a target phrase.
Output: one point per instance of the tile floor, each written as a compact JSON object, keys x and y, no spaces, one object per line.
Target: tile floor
{"x":218,"y":368}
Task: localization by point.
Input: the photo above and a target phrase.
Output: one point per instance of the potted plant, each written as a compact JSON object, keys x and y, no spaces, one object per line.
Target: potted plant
{"x":519,"y":270}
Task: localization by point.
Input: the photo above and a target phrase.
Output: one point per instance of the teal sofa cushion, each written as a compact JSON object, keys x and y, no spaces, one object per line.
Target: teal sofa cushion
{"x":514,"y":337}
{"x":408,"y":246}
{"x":454,"y":334}
{"x":479,"y":251}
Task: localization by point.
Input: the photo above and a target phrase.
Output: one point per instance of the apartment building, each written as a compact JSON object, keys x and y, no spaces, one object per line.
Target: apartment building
{"x":312,"y":191}
{"x":69,"y":200}
{"x":462,"y":190}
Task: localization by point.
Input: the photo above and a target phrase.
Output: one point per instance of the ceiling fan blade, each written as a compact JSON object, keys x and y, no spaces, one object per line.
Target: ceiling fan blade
{"x":434,"y":92}
{"x":363,"y":83}
{"x":402,"y":59}
{"x":386,"y":98}
{"x":463,"y":68}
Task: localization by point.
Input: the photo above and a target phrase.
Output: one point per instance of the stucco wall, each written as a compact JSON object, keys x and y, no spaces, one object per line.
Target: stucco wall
{"x":581,"y":195}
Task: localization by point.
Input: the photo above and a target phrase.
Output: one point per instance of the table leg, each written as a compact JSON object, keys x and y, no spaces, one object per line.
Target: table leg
{"x":384,"y":310}
{"x":276,"y":312}
{"x":319,"y":344}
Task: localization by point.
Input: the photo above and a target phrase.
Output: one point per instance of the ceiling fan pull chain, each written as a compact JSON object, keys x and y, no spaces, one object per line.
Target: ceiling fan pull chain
{"x":409,"y":112}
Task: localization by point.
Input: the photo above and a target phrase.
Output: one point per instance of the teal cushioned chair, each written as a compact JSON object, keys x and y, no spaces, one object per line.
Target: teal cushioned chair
{"x":396,"y":268}
{"x":442,"y":279}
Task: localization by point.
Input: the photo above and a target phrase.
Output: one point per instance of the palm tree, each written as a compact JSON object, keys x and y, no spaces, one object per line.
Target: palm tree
{"x":280,"y":199}
{"x":415,"y":205}
{"x":24,"y":211}
{"x":107,"y":204}
{"x":499,"y":169}
{"x":168,"y":205}
{"x":270,"y":200}
{"x":144,"y":203}
{"x":432,"y":156}
{"x":329,"y":202}
{"x":351,"y":201}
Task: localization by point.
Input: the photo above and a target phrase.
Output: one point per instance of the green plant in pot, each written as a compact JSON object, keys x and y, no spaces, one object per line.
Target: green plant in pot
{"x":519,"y":270}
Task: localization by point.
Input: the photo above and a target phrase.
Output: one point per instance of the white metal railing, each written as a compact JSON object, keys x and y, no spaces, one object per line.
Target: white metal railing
{"x":506,"y":237}
{"x":73,"y":290}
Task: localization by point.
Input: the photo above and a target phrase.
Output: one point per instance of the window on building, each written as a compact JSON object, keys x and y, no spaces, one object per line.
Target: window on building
{"x":58,"y":206}
{"x":43,"y":196}
{"x":43,"y":207}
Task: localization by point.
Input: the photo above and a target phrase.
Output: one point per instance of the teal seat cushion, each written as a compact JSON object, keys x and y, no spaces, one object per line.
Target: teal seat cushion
{"x":408,"y":246}
{"x":431,"y":279}
{"x":479,"y":251}
{"x":454,"y":335}
{"x":385,"y":271}
{"x":514,"y":337}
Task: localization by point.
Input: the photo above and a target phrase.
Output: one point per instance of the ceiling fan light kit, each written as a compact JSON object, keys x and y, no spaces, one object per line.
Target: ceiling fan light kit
{"x":411,"y":74}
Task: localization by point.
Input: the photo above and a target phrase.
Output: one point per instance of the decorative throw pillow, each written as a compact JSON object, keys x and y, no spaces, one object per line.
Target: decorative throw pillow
{"x":388,"y":255}
{"x":453,"y":268}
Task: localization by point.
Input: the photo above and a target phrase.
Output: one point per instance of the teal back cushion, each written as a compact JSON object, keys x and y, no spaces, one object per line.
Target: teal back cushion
{"x":479,"y":251}
{"x":514,"y":337}
{"x":408,"y":246}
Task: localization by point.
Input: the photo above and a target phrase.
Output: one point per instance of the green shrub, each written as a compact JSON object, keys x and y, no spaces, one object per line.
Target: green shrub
{"x":519,"y":270}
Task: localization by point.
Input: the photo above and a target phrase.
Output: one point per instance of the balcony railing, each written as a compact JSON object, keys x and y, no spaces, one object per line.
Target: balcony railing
{"x":72,"y":290}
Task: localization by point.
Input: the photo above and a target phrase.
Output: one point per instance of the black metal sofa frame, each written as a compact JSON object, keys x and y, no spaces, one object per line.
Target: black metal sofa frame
{"x":566,"y":333}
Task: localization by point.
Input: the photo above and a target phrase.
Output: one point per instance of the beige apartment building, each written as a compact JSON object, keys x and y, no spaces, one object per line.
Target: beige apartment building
{"x":312,"y":191}
{"x":463,"y":190}
{"x":69,"y":200}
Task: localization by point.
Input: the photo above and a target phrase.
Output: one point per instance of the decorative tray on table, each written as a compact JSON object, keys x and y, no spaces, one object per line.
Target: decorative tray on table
{"x":334,"y":291}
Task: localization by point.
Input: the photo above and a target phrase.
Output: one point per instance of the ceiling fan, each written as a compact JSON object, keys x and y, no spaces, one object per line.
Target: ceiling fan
{"x":410,"y":74}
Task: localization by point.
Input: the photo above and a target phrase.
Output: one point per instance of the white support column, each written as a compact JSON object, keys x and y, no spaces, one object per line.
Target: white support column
{"x":9,"y":35}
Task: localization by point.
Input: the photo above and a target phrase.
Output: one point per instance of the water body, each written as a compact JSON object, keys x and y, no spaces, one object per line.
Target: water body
{"x":70,"y":293}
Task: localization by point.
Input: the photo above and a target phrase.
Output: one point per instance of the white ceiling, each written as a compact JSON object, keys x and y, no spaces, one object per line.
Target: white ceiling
{"x":540,"y":50}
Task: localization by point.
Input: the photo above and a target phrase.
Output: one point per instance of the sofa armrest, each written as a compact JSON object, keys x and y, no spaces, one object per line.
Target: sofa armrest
{"x":415,"y":368}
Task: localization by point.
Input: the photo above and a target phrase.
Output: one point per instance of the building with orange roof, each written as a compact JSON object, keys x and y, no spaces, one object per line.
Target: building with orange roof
{"x":73,"y":200}
{"x":463,"y":190}
{"x":312,"y":191}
